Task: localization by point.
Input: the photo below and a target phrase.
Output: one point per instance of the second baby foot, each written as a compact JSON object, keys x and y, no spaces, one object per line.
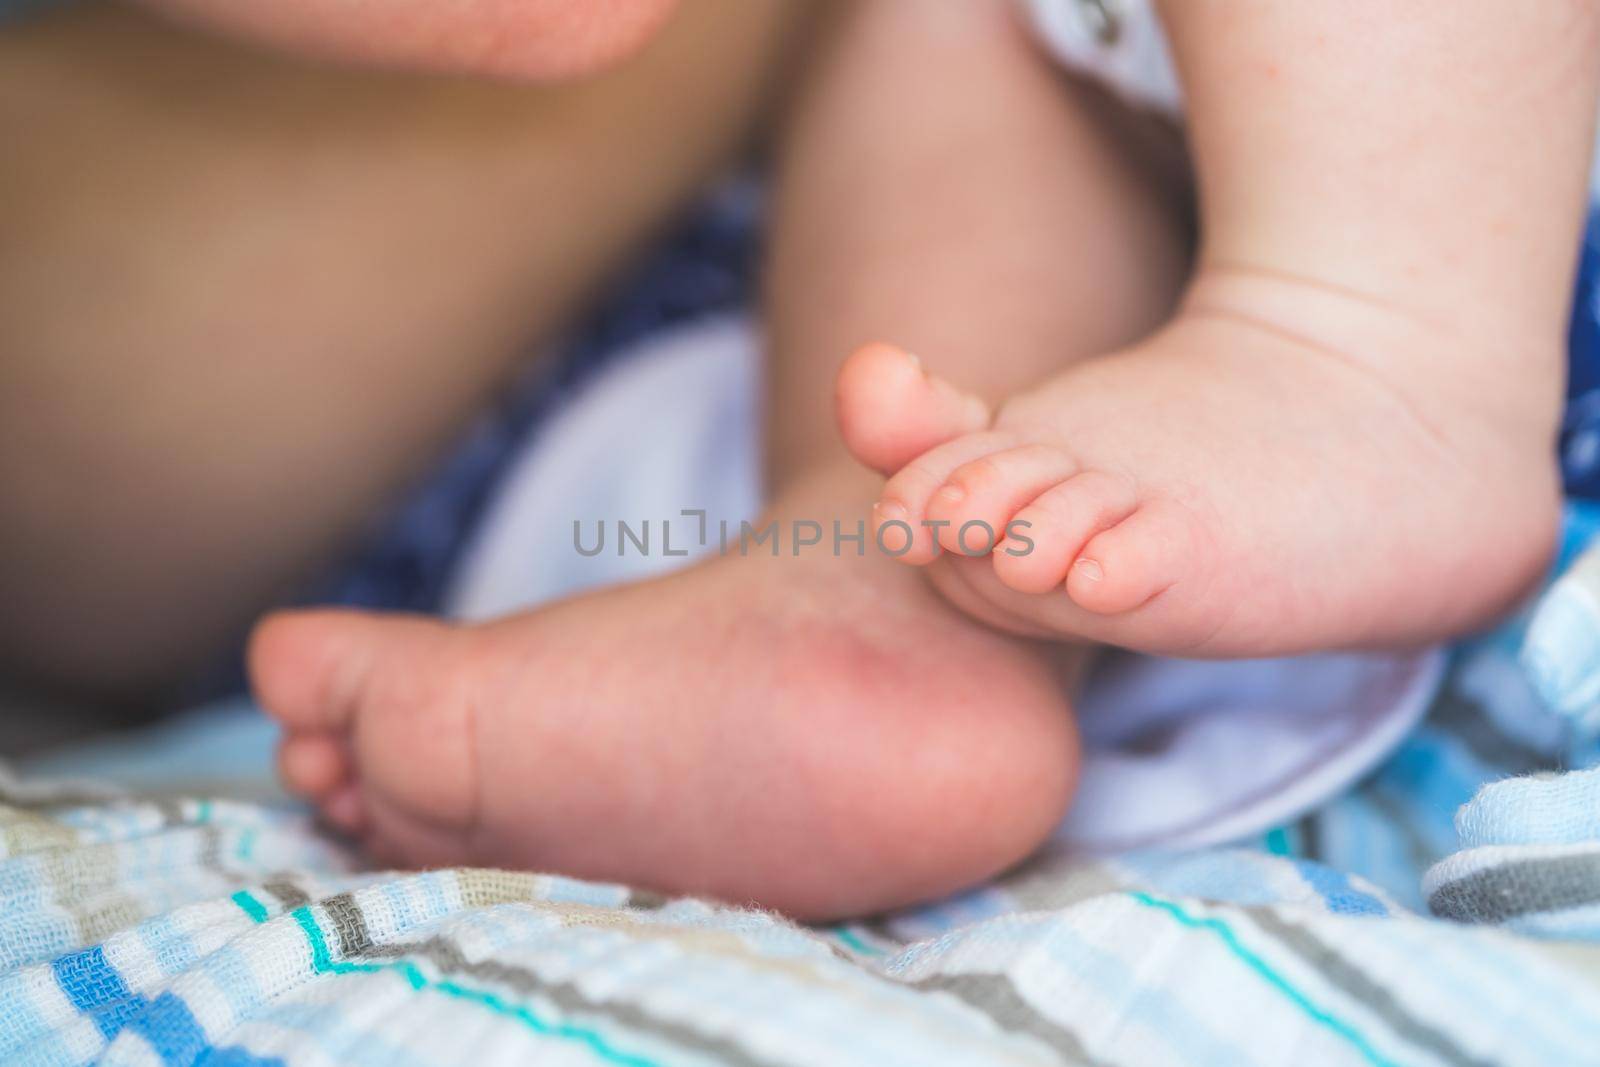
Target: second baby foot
{"x":1284,"y":468}
{"x":818,"y":735}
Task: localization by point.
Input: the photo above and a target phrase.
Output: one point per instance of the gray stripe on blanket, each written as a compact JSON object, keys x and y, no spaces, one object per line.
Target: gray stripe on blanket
{"x":448,"y":958}
{"x":645,"y":900}
{"x":43,"y":796}
{"x":289,"y":894}
{"x":1309,"y":831}
{"x":1464,"y":716}
{"x":348,"y":922}
{"x":993,"y":995}
{"x":996,"y":997}
{"x":1342,"y":974}
{"x":1520,"y":888}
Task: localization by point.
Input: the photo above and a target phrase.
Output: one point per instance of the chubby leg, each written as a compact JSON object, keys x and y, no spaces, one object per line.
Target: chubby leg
{"x":968,"y":203}
{"x":244,"y":299}
{"x":1344,"y":437}
{"x":820,"y":734}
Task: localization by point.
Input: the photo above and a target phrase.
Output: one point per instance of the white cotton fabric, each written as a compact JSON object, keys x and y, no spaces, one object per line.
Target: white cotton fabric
{"x":1176,"y":752}
{"x":1119,"y":43}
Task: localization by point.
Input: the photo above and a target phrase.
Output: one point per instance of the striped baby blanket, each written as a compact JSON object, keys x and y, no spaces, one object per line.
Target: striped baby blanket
{"x":1444,"y":912}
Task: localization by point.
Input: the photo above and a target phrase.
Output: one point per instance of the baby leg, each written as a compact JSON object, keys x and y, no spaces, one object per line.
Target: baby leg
{"x":818,"y":733}
{"x":1344,"y":437}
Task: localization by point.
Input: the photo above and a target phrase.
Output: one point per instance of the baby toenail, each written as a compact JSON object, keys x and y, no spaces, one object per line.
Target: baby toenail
{"x":1089,"y":569}
{"x":952,"y":494}
{"x":890,"y":510}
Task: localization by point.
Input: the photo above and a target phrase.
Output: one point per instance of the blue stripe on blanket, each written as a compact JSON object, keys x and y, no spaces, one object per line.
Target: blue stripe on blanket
{"x":173,"y":1032}
{"x":95,"y":988}
{"x":1336,"y":890}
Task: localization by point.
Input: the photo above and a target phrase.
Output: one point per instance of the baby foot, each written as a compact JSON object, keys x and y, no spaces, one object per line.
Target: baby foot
{"x":826,"y":738}
{"x":1282,"y":469}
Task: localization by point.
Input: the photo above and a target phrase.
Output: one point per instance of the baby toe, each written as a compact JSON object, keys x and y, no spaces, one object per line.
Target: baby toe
{"x":309,"y":668}
{"x":890,"y":410}
{"x":1140,"y":557}
{"x":901,"y":511}
{"x":313,"y":765}
{"x":1046,"y":536}
{"x":979,"y":498}
{"x":346,"y":809}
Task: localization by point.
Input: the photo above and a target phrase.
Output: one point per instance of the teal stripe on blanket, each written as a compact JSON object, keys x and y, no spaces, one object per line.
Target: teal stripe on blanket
{"x":322,"y":962}
{"x":1271,"y":976}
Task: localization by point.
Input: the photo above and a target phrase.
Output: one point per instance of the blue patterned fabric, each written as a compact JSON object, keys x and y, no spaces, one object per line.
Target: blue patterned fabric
{"x":1580,"y":431}
{"x":1372,"y":932}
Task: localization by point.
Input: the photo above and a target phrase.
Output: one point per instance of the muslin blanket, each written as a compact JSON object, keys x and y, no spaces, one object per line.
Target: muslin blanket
{"x":1445,"y":911}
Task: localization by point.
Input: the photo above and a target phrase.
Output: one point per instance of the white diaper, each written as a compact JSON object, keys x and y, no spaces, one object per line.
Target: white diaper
{"x":1176,"y":753}
{"x":1119,"y":43}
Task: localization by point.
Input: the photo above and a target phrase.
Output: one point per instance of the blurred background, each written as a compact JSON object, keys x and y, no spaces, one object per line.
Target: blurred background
{"x":274,"y":327}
